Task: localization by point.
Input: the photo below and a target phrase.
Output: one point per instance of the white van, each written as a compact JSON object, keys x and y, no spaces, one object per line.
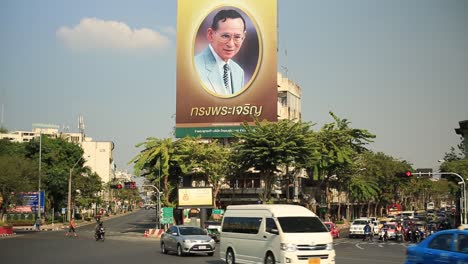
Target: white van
{"x":274,"y":234}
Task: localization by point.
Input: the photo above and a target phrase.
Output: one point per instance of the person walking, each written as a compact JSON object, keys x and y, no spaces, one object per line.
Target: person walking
{"x":71,"y":228}
{"x":37,"y":224}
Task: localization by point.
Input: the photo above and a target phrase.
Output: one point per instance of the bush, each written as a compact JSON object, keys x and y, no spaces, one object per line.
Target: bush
{"x":4,"y":223}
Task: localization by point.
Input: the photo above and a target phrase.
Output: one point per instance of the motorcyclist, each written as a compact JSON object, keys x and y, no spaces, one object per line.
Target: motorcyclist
{"x":384,"y":233}
{"x":99,"y":230}
{"x":399,"y":231}
{"x":367,"y":232}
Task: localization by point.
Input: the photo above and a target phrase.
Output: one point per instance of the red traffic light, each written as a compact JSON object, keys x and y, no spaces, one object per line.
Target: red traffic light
{"x":408,"y":174}
{"x":130,"y":185}
{"x":116,"y":186}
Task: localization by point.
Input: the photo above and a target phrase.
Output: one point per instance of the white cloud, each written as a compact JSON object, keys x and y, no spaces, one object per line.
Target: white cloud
{"x":169,"y":30}
{"x":93,"y":33}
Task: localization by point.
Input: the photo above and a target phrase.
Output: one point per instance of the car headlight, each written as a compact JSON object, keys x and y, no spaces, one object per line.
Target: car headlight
{"x":187,"y":241}
{"x":329,"y":246}
{"x":288,"y":247}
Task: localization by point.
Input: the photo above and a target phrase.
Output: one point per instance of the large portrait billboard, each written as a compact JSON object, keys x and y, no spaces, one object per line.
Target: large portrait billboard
{"x":226,"y":65}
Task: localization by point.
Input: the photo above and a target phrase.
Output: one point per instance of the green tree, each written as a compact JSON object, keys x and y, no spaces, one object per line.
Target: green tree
{"x":268,"y":146}
{"x":88,"y":185}
{"x":57,"y":157}
{"x":208,"y":160}
{"x":383,"y":169}
{"x":338,"y":143}
{"x":154,"y":162}
{"x":17,"y":174}
{"x":362,"y":189}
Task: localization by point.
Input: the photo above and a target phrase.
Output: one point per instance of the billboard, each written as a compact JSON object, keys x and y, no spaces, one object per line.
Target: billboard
{"x":226,"y":65}
{"x":28,"y":202}
{"x":195,"y":197}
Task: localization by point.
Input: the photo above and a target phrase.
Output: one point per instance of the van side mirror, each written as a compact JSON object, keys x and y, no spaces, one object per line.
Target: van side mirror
{"x":273,"y":231}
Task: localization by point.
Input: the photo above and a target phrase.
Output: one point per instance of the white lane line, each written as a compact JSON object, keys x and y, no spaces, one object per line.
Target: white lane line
{"x":357,"y":245}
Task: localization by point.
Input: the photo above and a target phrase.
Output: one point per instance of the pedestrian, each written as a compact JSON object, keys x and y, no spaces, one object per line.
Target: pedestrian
{"x":71,"y":227}
{"x":37,"y":224}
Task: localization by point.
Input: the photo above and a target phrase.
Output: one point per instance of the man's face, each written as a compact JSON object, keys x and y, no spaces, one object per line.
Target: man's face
{"x":227,"y":39}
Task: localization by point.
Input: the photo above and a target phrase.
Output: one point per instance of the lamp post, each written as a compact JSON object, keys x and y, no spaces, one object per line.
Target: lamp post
{"x":69,"y":190}
{"x":39,"y":184}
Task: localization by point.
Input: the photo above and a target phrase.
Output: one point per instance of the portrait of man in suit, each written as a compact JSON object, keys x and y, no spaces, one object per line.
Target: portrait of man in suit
{"x":216,"y":68}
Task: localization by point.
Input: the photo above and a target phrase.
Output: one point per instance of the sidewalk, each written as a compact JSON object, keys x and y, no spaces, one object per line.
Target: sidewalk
{"x":64,"y":226}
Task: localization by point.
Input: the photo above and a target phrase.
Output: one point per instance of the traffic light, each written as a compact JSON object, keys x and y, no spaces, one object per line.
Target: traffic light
{"x":130,"y":185}
{"x":406,"y":174}
{"x":116,"y":186}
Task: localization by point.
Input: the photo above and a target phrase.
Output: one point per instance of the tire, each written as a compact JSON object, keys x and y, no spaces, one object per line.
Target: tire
{"x":163,"y":248}
{"x":269,"y":259}
{"x":180,"y":253}
{"x":230,"y":257}
{"x":211,"y":254}
{"x":103,"y":237}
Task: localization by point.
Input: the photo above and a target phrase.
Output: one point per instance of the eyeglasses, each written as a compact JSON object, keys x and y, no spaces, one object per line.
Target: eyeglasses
{"x":226,"y":37}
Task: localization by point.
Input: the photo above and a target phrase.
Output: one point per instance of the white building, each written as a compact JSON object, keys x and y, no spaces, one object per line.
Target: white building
{"x":289,"y":99}
{"x":98,"y":154}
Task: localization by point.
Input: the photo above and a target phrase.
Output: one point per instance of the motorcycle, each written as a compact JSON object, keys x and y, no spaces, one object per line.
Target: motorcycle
{"x":384,"y":235}
{"x":100,"y":234}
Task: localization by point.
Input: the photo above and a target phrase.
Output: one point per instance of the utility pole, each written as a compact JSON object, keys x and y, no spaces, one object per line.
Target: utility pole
{"x":159,"y":204}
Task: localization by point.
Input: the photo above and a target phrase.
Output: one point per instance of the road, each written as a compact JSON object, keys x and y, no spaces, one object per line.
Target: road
{"x":125,"y":244}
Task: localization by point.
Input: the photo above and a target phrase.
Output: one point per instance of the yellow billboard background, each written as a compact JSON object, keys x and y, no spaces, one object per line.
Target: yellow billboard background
{"x":197,"y":107}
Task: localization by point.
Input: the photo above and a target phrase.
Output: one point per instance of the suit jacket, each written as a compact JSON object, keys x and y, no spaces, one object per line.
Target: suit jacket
{"x":207,"y":69}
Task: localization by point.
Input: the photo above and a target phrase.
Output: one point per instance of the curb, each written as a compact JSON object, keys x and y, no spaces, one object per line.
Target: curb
{"x":7,"y":235}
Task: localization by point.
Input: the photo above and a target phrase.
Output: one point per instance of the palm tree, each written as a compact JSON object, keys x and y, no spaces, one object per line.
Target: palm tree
{"x":361,"y":190}
{"x":154,"y":162}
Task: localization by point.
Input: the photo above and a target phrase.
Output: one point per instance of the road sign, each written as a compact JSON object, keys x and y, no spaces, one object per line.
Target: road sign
{"x":167,"y":214}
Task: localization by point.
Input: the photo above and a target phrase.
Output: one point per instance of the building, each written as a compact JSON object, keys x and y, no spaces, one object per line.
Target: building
{"x":289,"y":99}
{"x":97,"y":154}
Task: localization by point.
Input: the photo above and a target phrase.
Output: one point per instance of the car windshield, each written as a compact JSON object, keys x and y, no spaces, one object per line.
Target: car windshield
{"x":360,"y":222}
{"x":188,"y":231}
{"x":301,"y":225}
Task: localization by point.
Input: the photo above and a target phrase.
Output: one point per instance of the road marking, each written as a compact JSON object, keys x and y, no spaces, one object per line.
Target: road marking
{"x":357,"y":245}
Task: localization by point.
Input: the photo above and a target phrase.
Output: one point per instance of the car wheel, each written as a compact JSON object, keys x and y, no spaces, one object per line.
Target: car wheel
{"x":269,"y":259}
{"x":211,"y":254}
{"x":180,"y":253}
{"x":163,"y":248}
{"x":230,"y":258}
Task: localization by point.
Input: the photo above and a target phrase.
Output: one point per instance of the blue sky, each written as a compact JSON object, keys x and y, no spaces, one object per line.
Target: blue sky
{"x":396,"y":68}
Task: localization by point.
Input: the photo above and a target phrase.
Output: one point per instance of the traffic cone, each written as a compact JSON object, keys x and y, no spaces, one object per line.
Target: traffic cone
{"x":146,"y":233}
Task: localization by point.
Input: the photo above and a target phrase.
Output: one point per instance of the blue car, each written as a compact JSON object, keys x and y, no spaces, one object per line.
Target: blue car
{"x":448,"y":246}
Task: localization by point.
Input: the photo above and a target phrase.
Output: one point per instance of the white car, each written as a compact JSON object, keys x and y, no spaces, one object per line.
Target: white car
{"x":357,"y":227}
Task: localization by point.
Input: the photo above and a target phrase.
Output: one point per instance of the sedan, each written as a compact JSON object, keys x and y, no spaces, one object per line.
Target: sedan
{"x":448,"y":246}
{"x":186,"y":240}
{"x":334,"y":231}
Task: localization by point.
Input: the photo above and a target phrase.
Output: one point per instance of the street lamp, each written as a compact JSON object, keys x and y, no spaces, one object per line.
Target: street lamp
{"x":463,"y":198}
{"x":69,"y":190}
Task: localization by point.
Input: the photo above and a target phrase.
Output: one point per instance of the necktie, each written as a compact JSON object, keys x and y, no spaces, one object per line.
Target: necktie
{"x":226,"y":77}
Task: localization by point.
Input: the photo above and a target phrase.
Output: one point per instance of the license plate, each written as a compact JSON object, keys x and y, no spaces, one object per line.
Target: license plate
{"x":314,"y":261}
{"x":201,"y":247}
